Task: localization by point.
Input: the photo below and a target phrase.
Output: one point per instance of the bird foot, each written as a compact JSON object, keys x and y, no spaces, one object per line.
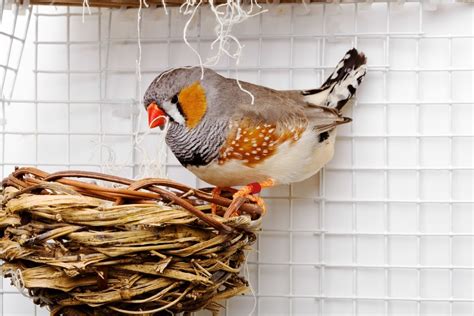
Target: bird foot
{"x":215,"y":193}
{"x":247,"y":193}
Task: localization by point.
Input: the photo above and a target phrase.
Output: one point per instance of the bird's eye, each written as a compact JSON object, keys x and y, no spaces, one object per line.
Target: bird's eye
{"x":174,"y":99}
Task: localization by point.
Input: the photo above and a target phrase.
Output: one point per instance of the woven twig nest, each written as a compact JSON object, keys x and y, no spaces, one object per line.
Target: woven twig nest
{"x":136,"y":247}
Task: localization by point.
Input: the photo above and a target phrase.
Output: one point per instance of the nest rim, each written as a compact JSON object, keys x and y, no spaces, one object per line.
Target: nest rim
{"x":217,"y":232}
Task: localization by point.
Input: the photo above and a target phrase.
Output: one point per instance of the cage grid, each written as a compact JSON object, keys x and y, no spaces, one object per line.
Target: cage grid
{"x":386,"y":228}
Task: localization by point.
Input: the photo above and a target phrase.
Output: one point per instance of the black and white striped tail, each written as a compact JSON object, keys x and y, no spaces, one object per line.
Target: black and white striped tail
{"x":342,"y":84}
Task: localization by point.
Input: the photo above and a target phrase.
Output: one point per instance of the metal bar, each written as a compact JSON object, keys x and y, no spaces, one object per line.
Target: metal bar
{"x":101,"y":76}
{"x":418,"y":160}
{"x":35,"y":74}
{"x":322,"y":185}
{"x":8,"y":68}
{"x":15,"y":75}
{"x":381,"y":35}
{"x":290,"y":193}
{"x":366,"y":234}
{"x":9,"y":49}
{"x":65,"y":14}
{"x":371,"y":298}
{"x":294,"y":196}
{"x":259,"y":80}
{"x":365,"y":103}
{"x":12,"y":36}
{"x":378,"y":68}
{"x":2,"y":7}
{"x":138,"y":80}
{"x":68,"y":104}
{"x":354,"y":190}
{"x":330,"y":297}
{"x":103,"y":97}
{"x":450,"y":206}
{"x":328,"y":168}
{"x":361,"y":266}
{"x":386,"y":270}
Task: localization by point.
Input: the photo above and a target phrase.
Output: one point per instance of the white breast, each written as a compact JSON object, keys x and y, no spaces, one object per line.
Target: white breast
{"x":292,"y":162}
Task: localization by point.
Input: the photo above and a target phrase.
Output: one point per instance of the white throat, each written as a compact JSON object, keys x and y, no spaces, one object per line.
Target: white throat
{"x":172,"y":110}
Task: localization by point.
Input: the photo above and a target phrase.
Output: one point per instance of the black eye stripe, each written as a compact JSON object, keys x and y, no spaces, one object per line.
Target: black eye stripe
{"x":180,"y":109}
{"x":174,"y":99}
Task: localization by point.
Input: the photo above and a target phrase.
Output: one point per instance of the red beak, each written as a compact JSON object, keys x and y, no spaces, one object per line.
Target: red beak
{"x":156,"y":116}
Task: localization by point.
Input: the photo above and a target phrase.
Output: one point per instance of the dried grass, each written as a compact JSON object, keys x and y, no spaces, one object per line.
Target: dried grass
{"x":135,"y":248}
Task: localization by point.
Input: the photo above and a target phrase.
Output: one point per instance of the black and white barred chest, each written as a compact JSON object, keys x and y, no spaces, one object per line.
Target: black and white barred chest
{"x":198,"y":146}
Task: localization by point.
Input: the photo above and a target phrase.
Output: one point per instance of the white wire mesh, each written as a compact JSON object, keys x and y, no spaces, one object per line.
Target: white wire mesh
{"x":12,"y":39}
{"x":385,"y":229}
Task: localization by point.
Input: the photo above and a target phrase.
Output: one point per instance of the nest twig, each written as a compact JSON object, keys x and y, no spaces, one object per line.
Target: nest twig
{"x":137,"y":247}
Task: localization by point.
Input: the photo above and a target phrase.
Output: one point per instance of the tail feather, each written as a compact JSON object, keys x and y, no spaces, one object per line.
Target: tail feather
{"x":342,"y":84}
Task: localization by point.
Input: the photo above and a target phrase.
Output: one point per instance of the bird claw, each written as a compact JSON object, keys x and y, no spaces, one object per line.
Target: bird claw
{"x":259,"y":201}
{"x":240,"y":197}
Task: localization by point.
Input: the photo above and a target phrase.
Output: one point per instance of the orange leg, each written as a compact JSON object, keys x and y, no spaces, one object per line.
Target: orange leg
{"x":215,"y":193}
{"x":247,"y":193}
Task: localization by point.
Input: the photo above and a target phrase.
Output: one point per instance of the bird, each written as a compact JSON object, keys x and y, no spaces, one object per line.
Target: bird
{"x":227,"y":138}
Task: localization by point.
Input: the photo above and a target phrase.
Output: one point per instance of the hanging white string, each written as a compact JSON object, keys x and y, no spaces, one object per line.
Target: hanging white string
{"x":227,"y":15}
{"x":252,"y":291}
{"x":85,"y":3}
{"x":191,"y":8}
{"x":139,"y":31}
{"x":163,"y":3}
{"x":232,"y":15}
{"x":252,"y":98}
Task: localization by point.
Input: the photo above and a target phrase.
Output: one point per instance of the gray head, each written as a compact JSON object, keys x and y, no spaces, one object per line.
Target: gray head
{"x":181,"y":96}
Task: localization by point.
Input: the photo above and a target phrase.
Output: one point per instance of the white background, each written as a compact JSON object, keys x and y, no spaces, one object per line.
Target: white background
{"x":385,"y":229}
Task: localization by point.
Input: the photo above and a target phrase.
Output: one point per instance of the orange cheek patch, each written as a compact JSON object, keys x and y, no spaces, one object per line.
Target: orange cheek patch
{"x":254,"y":144}
{"x":193,"y":102}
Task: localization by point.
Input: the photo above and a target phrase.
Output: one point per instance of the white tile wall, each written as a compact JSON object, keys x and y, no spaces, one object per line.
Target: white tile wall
{"x":385,"y":229}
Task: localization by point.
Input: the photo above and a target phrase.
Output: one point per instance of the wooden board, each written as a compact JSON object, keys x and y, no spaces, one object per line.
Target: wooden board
{"x":132,"y":3}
